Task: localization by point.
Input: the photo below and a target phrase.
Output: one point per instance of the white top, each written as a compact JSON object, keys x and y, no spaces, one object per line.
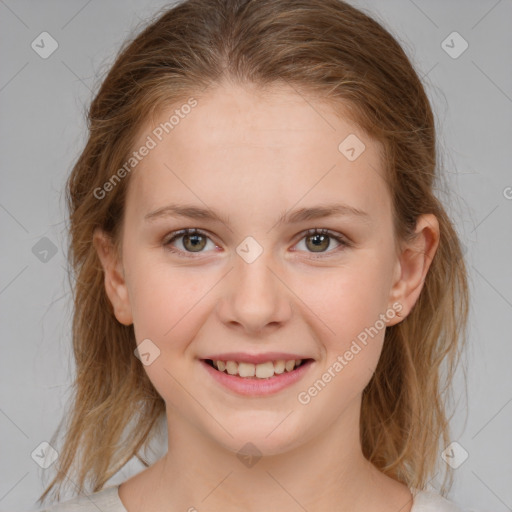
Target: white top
{"x":107,"y":500}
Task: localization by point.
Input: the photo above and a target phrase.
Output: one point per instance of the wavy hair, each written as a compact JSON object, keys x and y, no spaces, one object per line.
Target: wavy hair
{"x":323,"y":48}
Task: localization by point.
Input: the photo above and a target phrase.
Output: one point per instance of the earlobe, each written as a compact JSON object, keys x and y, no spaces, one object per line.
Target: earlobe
{"x":115,"y":285}
{"x":414,"y":263}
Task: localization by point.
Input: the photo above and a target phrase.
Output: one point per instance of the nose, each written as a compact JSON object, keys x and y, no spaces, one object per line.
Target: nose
{"x":255,"y":297}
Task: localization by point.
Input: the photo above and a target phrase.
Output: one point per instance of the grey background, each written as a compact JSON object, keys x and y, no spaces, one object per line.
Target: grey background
{"x":42,"y":130}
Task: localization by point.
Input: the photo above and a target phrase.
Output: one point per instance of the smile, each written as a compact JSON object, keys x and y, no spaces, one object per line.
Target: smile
{"x":257,"y":379}
{"x":264,"y":370}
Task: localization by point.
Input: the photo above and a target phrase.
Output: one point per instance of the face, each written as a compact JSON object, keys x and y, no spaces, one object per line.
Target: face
{"x":250,"y":288}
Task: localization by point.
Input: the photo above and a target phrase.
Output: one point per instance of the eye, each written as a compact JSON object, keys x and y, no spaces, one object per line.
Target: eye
{"x":319,"y":240}
{"x":194,"y":241}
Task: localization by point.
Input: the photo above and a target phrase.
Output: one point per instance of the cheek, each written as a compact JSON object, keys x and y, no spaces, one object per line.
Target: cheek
{"x":167,"y":310}
{"x":166,"y":303}
{"x":350,"y":297}
{"x":164,"y":298}
{"x":347,"y":304}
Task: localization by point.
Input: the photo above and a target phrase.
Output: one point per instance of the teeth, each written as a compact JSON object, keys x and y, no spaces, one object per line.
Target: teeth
{"x":246,"y":369}
{"x":232,"y":368}
{"x":264,"y":370}
{"x":260,"y":371}
{"x":290,"y":365}
{"x":279,"y":366}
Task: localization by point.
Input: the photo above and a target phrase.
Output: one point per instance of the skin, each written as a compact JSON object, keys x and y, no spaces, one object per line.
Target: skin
{"x":251,"y":156}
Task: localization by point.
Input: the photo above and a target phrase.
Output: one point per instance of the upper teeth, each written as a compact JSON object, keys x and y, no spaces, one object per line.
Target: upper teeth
{"x":261,"y":371}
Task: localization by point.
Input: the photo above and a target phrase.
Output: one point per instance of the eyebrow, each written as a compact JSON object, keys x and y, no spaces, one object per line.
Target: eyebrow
{"x":300,"y":215}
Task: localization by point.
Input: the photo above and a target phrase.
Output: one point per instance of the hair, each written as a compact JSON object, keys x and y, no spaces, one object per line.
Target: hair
{"x":328,"y":50}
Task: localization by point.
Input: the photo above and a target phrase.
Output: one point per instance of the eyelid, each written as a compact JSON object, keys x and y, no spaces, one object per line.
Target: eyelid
{"x":340,"y":238}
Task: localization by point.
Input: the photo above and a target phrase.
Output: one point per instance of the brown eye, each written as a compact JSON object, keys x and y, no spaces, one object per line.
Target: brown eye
{"x":318,"y":242}
{"x":193,"y":241}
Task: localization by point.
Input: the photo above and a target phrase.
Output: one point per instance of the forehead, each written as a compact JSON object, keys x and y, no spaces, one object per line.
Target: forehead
{"x":273,"y":147}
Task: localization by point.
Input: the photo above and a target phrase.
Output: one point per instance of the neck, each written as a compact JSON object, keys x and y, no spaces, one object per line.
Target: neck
{"x":328,"y":472}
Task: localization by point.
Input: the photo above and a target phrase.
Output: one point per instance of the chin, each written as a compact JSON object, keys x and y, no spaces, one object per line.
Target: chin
{"x":261,"y":438}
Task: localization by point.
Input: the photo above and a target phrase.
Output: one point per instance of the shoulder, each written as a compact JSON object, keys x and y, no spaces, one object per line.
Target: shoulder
{"x":428,"y":501}
{"x":106,"y":500}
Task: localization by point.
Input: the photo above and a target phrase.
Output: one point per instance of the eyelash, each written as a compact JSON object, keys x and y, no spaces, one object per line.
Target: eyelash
{"x":310,"y":232}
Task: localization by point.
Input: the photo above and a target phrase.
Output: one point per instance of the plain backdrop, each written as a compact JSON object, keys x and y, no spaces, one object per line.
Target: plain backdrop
{"x":42,"y":131}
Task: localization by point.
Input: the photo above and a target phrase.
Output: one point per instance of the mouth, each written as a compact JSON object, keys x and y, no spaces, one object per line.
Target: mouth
{"x":256,"y":379}
{"x":261,"y":371}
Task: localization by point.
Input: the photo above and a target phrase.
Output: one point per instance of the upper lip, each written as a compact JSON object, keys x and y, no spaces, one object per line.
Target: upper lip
{"x":243,"y":357}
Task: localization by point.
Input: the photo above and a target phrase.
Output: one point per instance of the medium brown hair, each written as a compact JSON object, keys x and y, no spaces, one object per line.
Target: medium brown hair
{"x":323,"y":48}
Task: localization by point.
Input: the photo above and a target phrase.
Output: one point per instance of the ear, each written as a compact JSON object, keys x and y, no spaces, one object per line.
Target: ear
{"x":413,"y":264}
{"x":115,"y":285}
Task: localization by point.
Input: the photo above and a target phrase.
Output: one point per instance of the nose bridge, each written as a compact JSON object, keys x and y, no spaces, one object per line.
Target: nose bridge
{"x":256,"y":296}
{"x":253,"y":274}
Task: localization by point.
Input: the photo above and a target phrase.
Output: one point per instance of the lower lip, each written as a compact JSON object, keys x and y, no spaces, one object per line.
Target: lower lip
{"x":254,"y":386}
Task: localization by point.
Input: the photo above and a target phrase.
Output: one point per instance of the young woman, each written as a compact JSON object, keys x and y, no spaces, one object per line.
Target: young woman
{"x":261,"y":262}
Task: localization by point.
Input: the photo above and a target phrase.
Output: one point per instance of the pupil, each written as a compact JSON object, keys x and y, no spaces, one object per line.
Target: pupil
{"x":318,"y":239}
{"x":194,"y":240}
